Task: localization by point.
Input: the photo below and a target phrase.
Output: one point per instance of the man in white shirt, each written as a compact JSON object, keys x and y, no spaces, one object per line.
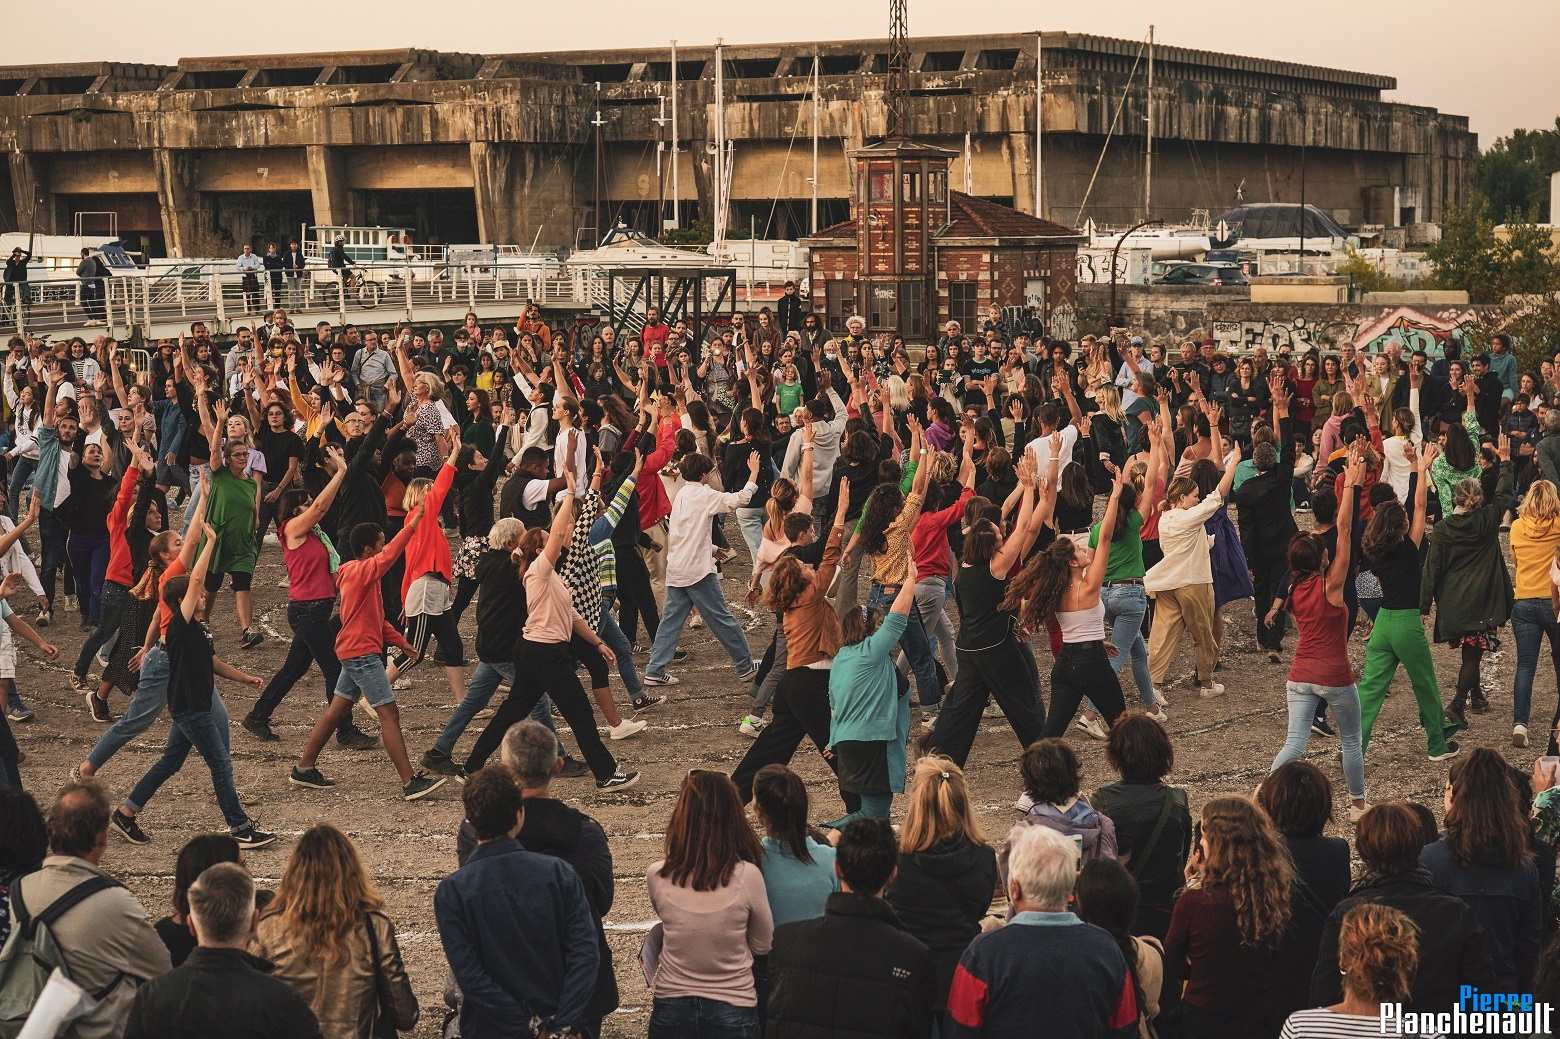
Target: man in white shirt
{"x":1397,"y":464}
{"x":690,"y":569}
{"x":1039,"y":448}
{"x":1134,"y":363}
{"x":250,"y":266}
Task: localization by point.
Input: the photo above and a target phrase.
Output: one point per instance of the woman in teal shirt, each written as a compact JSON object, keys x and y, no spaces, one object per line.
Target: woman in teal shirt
{"x":798,"y":869}
{"x":871,"y":709}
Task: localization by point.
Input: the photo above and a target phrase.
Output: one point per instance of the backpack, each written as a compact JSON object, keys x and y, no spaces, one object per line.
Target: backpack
{"x":31,"y":954}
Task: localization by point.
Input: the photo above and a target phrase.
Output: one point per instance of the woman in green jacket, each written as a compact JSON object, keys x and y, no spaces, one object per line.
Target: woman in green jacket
{"x":1459,"y":459}
{"x":1330,"y":384}
{"x":1466,"y":577}
{"x":871,"y":709}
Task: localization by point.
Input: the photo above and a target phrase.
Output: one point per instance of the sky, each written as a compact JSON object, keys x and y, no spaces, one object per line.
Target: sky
{"x":1495,"y":63}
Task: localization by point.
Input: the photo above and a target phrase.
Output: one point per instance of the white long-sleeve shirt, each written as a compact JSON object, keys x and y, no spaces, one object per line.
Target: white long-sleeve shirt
{"x":1186,"y":546}
{"x":15,"y":560}
{"x":1395,"y":468}
{"x":690,"y":556}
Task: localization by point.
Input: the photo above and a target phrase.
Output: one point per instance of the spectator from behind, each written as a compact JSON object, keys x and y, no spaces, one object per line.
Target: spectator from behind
{"x":854,"y":971}
{"x":1046,"y":965}
{"x":1229,"y":922}
{"x":709,"y":893}
{"x":1152,"y":819}
{"x":1050,"y":770}
{"x":107,"y":939}
{"x":1452,"y":949}
{"x":516,"y":926}
{"x":1483,"y":859}
{"x":23,"y":842}
{"x":203,"y":851}
{"x":799,"y":873}
{"x":221,"y":989}
{"x":326,"y":935}
{"x":1376,"y":959}
{"x":1106,"y":896}
{"x":531,"y":752}
{"x":1298,"y":798}
{"x":946,"y":871}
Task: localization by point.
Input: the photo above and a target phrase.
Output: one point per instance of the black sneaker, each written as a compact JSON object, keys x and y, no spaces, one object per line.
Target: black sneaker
{"x":648,"y":702}
{"x":420,"y":786}
{"x":311,"y":778}
{"x":573,"y":768}
{"x":1320,"y":727}
{"x":620,"y":781}
{"x":126,"y":827}
{"x":679,"y":654}
{"x":260,"y":728}
{"x":357,"y":739}
{"x":251,"y":639}
{"x":1478,"y":704}
{"x":251,"y":837}
{"x":748,"y":675}
{"x":97,"y":707}
{"x":437,"y":761}
{"x":1451,"y":752}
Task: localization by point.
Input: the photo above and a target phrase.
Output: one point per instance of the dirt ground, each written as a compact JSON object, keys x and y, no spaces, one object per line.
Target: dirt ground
{"x":1222,"y":745}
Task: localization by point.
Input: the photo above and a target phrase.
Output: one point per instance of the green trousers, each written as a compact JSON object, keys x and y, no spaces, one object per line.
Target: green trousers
{"x":1398,"y":637}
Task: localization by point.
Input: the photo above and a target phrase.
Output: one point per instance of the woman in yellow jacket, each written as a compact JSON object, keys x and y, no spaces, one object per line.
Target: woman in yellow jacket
{"x":1535,"y":535}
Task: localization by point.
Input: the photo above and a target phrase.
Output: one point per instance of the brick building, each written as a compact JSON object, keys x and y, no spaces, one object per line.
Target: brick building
{"x":915,"y":255}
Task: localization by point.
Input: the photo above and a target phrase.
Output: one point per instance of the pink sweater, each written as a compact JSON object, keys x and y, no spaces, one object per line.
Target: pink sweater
{"x":712,"y":936}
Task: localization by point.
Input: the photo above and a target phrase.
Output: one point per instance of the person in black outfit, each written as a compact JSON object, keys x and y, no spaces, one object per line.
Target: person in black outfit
{"x":17,"y":292}
{"x":475,"y":478}
{"x":855,"y":970}
{"x":1266,"y":521}
{"x":1486,"y":404}
{"x":274,"y":265}
{"x":789,"y":310}
{"x":221,"y":989}
{"x":1453,"y":949}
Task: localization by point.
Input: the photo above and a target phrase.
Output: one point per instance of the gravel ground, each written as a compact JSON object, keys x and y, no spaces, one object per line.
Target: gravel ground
{"x":1222,"y":745}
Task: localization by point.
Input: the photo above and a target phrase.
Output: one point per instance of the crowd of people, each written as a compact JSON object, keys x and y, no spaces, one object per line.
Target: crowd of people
{"x":930,"y":522}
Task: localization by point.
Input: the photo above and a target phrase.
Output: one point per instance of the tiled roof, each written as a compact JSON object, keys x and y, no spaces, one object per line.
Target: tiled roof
{"x":973,"y":218}
{"x":977,"y":218}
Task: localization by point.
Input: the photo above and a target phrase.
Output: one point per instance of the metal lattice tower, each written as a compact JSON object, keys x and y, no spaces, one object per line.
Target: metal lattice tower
{"x":898,"y":68}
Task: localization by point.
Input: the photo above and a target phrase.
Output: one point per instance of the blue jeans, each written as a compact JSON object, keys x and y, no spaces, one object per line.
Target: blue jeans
{"x":918,"y":649}
{"x":89,"y":561}
{"x":752,"y":523}
{"x":1344,"y":700}
{"x":21,"y":477}
{"x":485,"y":681}
{"x":205,"y":731}
{"x":711,"y":601}
{"x":618,"y":643}
{"x":111,"y":611}
{"x":192,"y":500}
{"x":151,"y":696}
{"x":51,"y":536}
{"x":1531,"y":620}
{"x":694,"y":1017}
{"x":1125,"y":605}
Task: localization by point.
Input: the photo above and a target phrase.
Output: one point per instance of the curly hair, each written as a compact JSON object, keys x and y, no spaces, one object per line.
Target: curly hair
{"x":1249,"y":861}
{"x":1378,"y":952}
{"x":787,"y":582}
{"x":1039,"y":587}
{"x":1387,"y":528}
{"x":882,"y":507}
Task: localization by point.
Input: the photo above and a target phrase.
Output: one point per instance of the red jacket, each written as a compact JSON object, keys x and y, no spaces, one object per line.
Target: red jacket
{"x":119,"y":568}
{"x":429,"y":551}
{"x":654,"y":506}
{"x":930,"y":538}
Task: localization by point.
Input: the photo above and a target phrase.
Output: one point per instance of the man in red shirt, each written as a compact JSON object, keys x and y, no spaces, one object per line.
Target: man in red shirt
{"x":360,"y":647}
{"x":653,"y":337}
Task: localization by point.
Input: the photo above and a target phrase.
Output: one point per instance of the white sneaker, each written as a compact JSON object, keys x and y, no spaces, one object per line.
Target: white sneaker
{"x":626,"y":728}
{"x":400,"y":685}
{"x":1159,"y":698}
{"x":1519,"y":735}
{"x":751,"y":726}
{"x":1162,"y":716}
{"x":1208,"y":692}
{"x":1095,"y":727}
{"x":1024,"y":802}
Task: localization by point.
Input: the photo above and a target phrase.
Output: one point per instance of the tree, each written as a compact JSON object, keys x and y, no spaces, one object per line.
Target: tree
{"x":1470,"y":257}
{"x":1364,"y":275}
{"x":1514,"y":173}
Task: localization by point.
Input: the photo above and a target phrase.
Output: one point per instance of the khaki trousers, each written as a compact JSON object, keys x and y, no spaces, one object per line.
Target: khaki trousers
{"x":655,"y":562}
{"x":1175,"y":610}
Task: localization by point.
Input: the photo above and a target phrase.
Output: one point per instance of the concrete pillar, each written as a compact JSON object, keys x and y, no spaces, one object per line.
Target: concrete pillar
{"x":35,"y":208}
{"x":492,"y":183}
{"x":185,"y":221}
{"x":1021,"y":160}
{"x":334,"y":204}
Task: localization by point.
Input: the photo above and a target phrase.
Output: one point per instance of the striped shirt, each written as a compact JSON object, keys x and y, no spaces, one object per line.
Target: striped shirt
{"x":1324,"y":1024}
{"x":601,"y":535}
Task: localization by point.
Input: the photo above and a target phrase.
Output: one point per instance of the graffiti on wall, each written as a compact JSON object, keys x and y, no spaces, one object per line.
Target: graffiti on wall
{"x":1132,"y":266}
{"x":1299,"y":333}
{"x":1064,"y":322}
{"x":1415,"y":328}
